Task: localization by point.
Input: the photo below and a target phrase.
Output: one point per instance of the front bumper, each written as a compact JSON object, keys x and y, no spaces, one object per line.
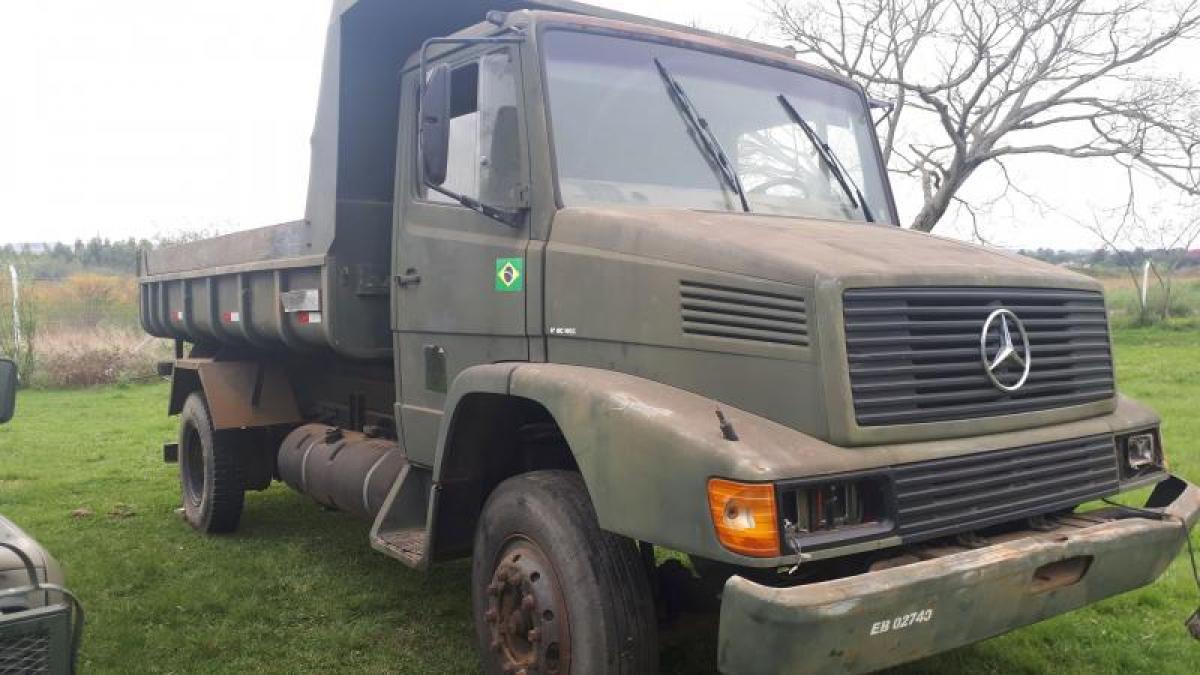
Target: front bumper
{"x":884,"y":618}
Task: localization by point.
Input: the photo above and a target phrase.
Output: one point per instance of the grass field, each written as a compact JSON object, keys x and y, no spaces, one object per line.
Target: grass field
{"x":299,"y":590}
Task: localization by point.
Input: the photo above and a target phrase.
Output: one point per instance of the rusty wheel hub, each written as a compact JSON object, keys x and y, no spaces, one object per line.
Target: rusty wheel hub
{"x":526,"y":614}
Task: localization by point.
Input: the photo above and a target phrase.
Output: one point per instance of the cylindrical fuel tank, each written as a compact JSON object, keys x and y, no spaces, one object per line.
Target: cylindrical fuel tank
{"x":346,"y":470}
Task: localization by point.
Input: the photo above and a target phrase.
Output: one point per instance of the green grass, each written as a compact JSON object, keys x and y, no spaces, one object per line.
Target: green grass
{"x":298,"y":589}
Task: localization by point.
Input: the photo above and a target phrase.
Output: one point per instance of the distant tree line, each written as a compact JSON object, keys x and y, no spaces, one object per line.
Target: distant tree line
{"x":1104,"y":257}
{"x":99,"y":254}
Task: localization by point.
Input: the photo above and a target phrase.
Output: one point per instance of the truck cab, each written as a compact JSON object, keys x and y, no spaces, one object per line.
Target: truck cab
{"x":574,"y":287}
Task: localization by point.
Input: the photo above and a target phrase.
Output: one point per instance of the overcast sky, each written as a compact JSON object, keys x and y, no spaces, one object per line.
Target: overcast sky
{"x":145,"y":117}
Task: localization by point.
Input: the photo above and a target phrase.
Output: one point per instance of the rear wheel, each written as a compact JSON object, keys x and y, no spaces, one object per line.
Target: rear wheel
{"x":552,"y":593}
{"x":209,"y":471}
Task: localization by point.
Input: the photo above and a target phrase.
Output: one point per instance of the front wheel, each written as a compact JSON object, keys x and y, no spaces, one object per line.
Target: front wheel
{"x":552,"y":593}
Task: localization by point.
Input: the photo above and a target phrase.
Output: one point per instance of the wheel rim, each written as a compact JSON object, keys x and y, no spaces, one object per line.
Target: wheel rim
{"x":191,"y":464}
{"x":526,"y":613}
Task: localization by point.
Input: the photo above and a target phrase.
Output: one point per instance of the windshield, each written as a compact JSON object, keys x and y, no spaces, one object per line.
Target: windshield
{"x":619,"y":137}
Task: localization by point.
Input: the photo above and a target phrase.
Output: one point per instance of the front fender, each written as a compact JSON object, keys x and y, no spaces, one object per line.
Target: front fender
{"x":647,"y":450}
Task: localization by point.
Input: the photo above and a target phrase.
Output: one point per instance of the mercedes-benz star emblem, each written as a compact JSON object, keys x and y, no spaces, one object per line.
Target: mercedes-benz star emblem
{"x":1005,"y":362}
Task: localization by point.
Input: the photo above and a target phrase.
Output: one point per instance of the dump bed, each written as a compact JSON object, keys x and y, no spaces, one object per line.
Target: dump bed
{"x":272,"y":288}
{"x":324,"y":282}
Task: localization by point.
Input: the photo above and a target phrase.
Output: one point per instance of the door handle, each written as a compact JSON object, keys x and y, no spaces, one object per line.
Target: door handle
{"x":409,"y":278}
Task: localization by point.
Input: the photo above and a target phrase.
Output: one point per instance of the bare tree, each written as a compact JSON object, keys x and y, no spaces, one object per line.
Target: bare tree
{"x":1008,"y":78}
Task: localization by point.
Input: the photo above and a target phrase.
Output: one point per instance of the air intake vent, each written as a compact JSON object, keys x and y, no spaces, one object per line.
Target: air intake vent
{"x":914,"y":353}
{"x":712,"y":310}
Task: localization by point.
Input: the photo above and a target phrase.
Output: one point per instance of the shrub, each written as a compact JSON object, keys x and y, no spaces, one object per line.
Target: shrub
{"x":86,"y":358}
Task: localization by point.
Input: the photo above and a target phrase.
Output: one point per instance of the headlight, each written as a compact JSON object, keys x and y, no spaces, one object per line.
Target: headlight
{"x":1139,"y":451}
{"x":1140,"y":454}
{"x":818,"y":514}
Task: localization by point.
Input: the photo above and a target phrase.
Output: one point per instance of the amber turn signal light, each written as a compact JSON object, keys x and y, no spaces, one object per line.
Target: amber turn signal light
{"x":745,"y":517}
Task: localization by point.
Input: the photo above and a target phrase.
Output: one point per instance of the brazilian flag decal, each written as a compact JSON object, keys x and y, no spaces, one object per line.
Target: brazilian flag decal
{"x":510,"y":275}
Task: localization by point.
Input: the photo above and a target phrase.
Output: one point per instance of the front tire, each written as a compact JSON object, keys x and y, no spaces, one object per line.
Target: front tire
{"x":551,"y":592}
{"x":209,"y":471}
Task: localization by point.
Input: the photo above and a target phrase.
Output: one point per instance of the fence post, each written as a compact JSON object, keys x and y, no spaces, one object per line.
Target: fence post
{"x":16,"y":311}
{"x":1145,"y":284}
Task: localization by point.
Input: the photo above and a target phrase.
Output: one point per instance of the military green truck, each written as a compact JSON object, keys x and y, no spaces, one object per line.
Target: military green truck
{"x":574,"y":285}
{"x":41,"y":622}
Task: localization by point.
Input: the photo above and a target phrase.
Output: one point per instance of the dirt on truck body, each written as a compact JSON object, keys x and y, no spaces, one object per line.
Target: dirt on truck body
{"x":574,"y":284}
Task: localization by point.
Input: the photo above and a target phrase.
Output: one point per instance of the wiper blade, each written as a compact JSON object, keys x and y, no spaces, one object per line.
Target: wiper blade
{"x":827,"y":155}
{"x":704,"y":135}
{"x":510,"y":217}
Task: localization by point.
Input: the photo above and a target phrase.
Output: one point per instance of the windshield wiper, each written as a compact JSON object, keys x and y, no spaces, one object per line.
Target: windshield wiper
{"x":844,"y":179}
{"x":704,"y":135}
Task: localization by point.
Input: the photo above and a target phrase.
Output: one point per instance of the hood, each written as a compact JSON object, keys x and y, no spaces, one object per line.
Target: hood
{"x":801,"y":251}
{"x":748,"y":310}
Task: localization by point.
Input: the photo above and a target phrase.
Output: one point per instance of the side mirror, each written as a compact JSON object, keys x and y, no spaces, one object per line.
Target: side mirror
{"x":435,"y":125}
{"x":8,"y":389}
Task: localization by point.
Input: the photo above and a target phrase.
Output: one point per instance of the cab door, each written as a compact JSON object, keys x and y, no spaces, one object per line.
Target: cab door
{"x":460,"y":277}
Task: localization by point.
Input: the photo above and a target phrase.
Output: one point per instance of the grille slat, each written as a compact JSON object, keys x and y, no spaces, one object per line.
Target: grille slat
{"x":982,"y":392}
{"x":947,"y":496}
{"x":983,"y":409}
{"x":1030,"y":296}
{"x":934,"y":338}
{"x":1024,"y":310}
{"x":969,"y":367}
{"x":965,"y":353}
{"x":711,"y":310}
{"x":970,"y":324}
{"x":914,"y":355}
{"x":976,"y":379}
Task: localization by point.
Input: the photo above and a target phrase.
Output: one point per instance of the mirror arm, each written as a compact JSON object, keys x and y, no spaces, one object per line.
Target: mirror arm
{"x":513,"y":218}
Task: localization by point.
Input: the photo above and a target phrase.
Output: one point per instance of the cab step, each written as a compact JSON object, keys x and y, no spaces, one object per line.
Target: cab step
{"x":400,"y":528}
{"x":407,"y":546}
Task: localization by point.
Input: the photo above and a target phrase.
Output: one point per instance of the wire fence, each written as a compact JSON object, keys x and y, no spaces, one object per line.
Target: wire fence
{"x":78,"y":331}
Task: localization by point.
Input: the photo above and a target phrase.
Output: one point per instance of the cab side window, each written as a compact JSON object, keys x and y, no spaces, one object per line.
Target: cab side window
{"x":484,"y":160}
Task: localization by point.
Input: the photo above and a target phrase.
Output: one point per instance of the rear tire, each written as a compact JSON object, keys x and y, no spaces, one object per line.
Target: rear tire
{"x":551,"y":592}
{"x":209,"y":471}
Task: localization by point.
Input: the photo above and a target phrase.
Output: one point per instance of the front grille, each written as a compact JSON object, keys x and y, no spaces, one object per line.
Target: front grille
{"x":25,"y":654}
{"x":713,"y":310}
{"x":947,"y":496}
{"x":914,"y":353}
